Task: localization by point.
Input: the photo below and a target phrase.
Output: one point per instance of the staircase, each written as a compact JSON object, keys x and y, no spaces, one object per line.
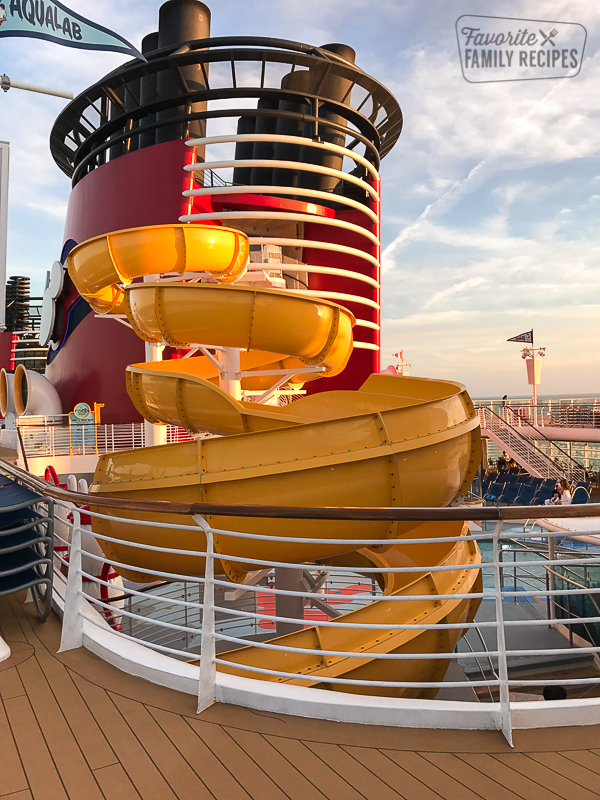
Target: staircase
{"x":517,"y":442}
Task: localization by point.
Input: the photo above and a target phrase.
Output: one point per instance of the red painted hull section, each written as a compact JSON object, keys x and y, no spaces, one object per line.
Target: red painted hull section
{"x":140,"y":188}
{"x":362,"y":362}
{"x":144,"y":188}
{"x":91,"y":368}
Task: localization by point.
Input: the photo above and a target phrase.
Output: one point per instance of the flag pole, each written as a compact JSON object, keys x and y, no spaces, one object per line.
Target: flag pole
{"x":534,"y":386}
{"x":529,"y":354}
{"x":7,"y":83}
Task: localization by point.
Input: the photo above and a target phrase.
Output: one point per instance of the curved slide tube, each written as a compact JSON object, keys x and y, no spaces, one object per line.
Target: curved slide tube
{"x":371,"y":643}
{"x":364,"y":448}
{"x":105,"y":270}
{"x":395,"y":442}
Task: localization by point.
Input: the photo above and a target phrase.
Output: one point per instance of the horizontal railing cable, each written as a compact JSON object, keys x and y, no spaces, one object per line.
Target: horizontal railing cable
{"x":179,"y":616}
{"x":362,"y":514}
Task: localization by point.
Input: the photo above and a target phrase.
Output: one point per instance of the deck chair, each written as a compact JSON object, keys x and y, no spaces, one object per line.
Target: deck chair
{"x":580,"y":496}
{"x":26,"y":542}
{"x":583,"y":484}
{"x":511,"y":492}
{"x":545,"y":493}
{"x":526,"y":495}
{"x":495,"y":491}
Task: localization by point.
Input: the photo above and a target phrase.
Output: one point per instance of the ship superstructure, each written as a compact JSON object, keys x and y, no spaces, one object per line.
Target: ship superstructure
{"x":292,"y":136}
{"x":285,"y":531}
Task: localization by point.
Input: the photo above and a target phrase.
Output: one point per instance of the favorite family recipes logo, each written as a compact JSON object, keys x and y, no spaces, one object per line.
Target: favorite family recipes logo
{"x":503,"y":49}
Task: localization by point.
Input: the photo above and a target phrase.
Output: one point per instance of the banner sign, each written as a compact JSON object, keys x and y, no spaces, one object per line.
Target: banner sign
{"x":526,"y":337}
{"x":82,"y":428}
{"x":534,"y":371}
{"x":50,"y":20}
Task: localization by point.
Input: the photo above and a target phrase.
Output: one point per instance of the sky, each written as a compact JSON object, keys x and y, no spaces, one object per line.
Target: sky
{"x":490,"y":197}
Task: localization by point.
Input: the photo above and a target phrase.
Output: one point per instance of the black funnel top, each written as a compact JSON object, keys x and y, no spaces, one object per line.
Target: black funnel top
{"x":343,"y":50}
{"x":182,"y":21}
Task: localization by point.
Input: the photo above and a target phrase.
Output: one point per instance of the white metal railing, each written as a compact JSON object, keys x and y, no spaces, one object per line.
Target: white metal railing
{"x":60,"y":440}
{"x":575,"y":412}
{"x":518,"y":442}
{"x":367,"y":254}
{"x":561,"y":457}
{"x":205,"y":617}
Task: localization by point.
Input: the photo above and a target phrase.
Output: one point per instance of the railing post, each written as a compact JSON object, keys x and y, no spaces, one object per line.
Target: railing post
{"x":72,"y":627}
{"x":551,"y":576}
{"x":501,"y":639}
{"x":207,"y":687}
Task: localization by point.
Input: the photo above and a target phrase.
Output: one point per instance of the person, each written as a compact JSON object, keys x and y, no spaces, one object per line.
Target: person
{"x":502,"y":462}
{"x":565,"y":493}
{"x":561,"y":496}
{"x":555,"y":497}
{"x":513,"y":466}
{"x":2,"y":13}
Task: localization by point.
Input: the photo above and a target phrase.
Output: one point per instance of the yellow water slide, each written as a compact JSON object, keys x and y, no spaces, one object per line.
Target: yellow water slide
{"x":397,"y":441}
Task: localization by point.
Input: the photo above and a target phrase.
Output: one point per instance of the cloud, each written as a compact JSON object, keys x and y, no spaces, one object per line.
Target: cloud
{"x":550,"y":129}
{"x":489,"y":197}
{"x":457,"y":287}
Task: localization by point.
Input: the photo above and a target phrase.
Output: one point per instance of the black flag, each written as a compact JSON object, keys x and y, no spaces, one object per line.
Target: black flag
{"x":523,"y":337}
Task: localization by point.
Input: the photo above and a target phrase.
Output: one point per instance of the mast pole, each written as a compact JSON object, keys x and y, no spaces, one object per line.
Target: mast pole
{"x":4,"y":159}
{"x":7,"y":83}
{"x":534,"y":385}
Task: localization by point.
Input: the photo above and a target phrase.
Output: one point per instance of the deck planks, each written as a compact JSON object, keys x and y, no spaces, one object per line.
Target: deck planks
{"x":465,"y":775}
{"x":295,"y":782}
{"x":74,"y":728}
{"x":520,"y":784}
{"x":175,"y":769}
{"x":249,"y":775}
{"x":431,"y":775}
{"x":362,"y":778}
{"x":397,"y":778}
{"x":199,"y":756}
{"x":42,"y":775}
{"x":136,"y":762}
{"x":9,"y":623}
{"x":544,"y":776}
{"x":114,"y":782}
{"x":66,"y":754}
{"x":296,"y":752}
{"x":585,"y":758}
{"x":10,"y":684}
{"x":575,"y":773}
{"x":90,"y":738}
{"x":12,"y":775}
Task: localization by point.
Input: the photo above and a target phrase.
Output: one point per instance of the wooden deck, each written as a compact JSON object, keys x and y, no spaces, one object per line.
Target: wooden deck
{"x":72,"y":726}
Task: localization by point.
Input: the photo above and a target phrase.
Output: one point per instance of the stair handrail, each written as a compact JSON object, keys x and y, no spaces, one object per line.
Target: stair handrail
{"x":500,"y":425}
{"x":577,"y":470}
